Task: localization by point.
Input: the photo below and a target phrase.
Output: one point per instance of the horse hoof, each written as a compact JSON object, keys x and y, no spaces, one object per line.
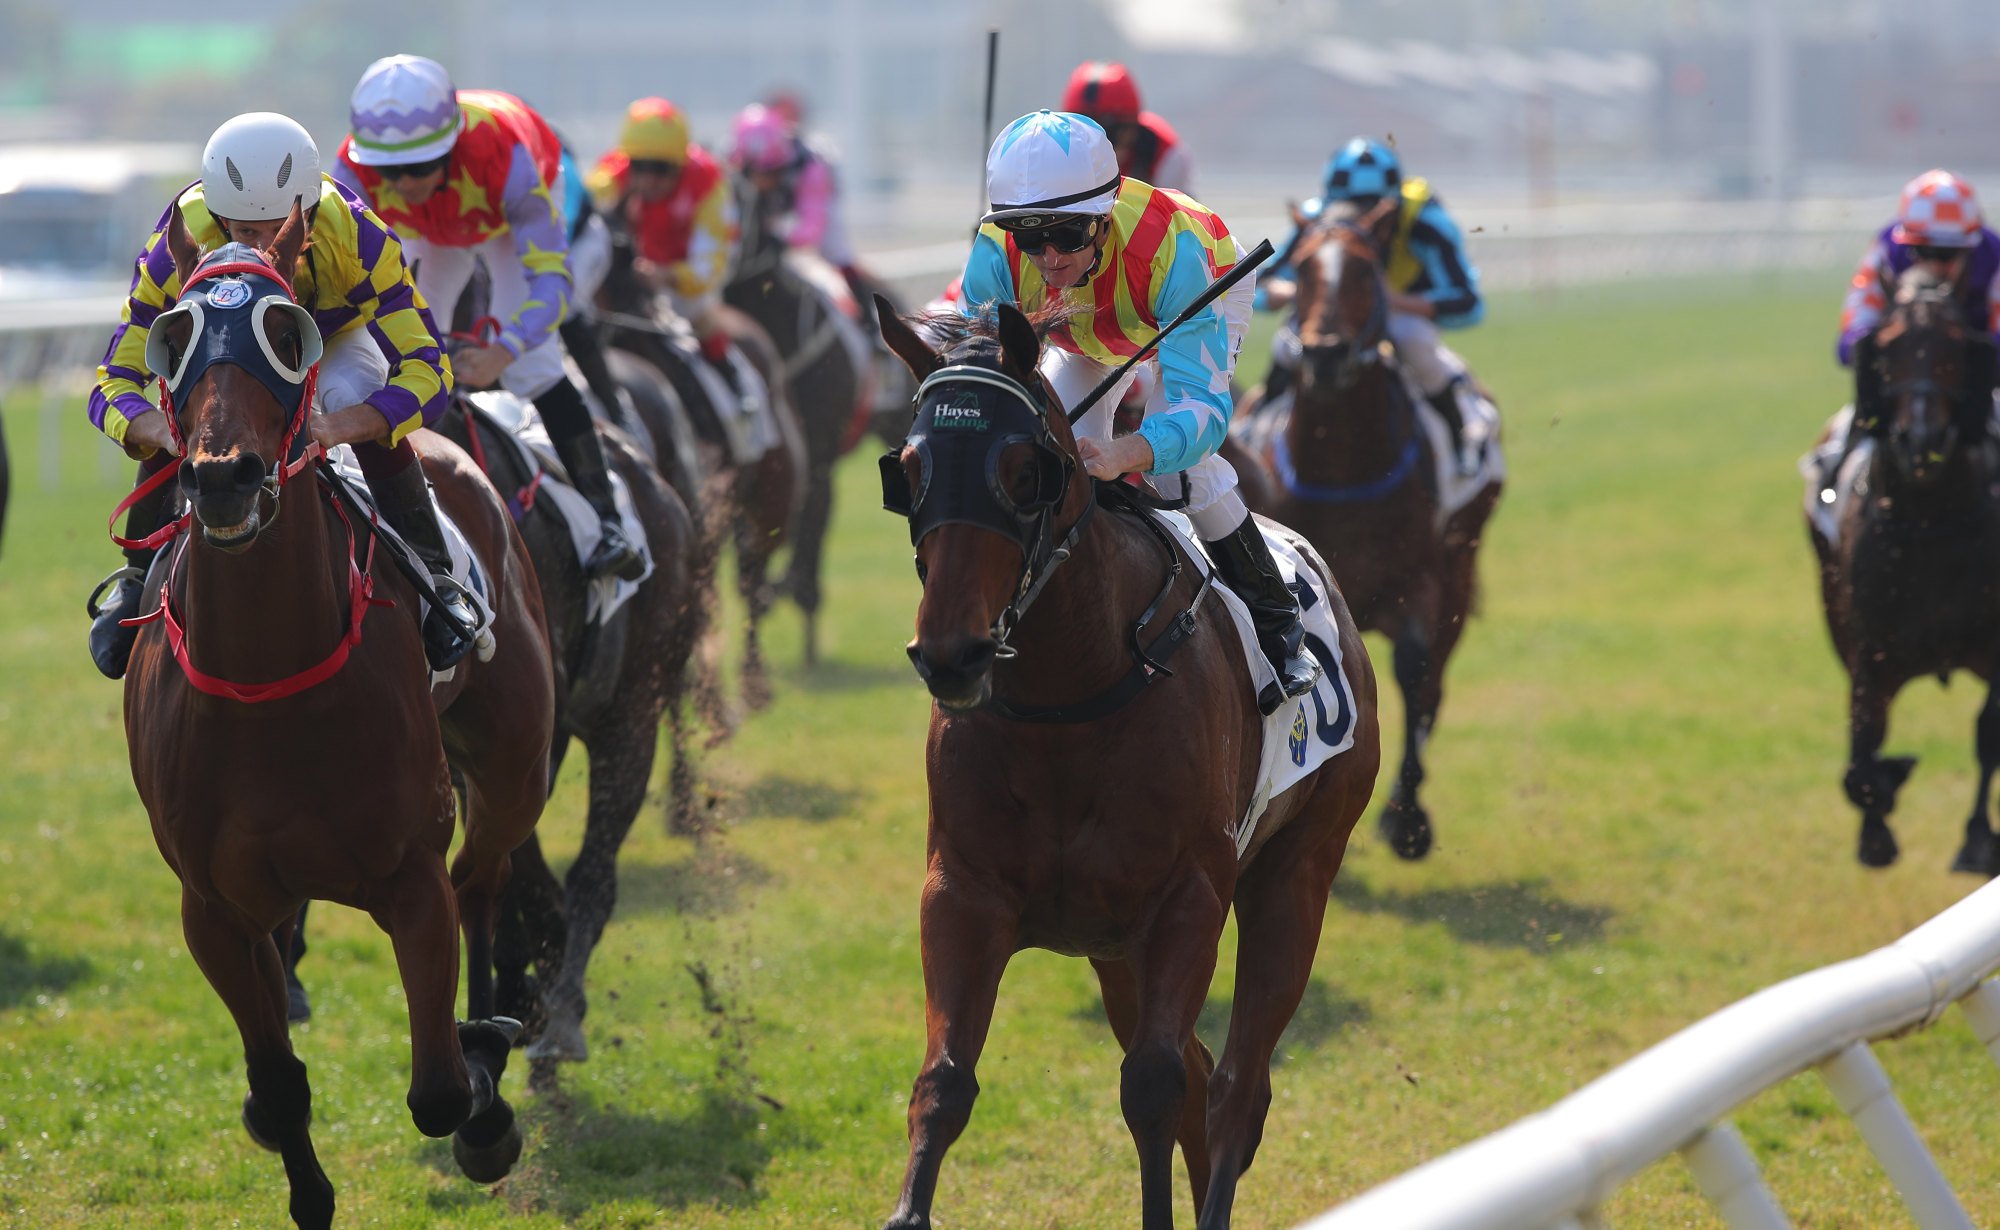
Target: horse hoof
{"x":1878,"y":845}
{"x":492,"y":1160}
{"x":562,"y":1041}
{"x":298,"y":1007}
{"x":1407,"y":829}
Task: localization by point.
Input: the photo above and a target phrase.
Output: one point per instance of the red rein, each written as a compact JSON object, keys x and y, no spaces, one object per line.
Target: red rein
{"x":360,"y":574}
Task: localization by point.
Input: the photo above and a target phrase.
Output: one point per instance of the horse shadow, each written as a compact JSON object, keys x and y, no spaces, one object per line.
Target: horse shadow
{"x":589,"y":1153}
{"x":24,"y":975}
{"x":833,"y":677}
{"x":1322,"y":1014}
{"x":711,"y":882}
{"x":1521,"y":914}
{"x":781,"y":795}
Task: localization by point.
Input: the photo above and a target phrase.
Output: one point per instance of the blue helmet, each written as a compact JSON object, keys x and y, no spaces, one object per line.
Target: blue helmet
{"x":1363,"y":168}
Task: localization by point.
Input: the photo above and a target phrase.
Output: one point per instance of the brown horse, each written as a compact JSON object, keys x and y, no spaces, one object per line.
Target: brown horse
{"x":1911,"y":586}
{"x":615,"y":679}
{"x":1063,"y":817}
{"x":757,"y":505}
{"x":826,"y":386}
{"x":1353,"y":472}
{"x":338,"y":788}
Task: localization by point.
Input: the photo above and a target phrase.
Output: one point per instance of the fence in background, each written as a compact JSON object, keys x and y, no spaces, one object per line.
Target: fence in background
{"x":1553,"y":1170}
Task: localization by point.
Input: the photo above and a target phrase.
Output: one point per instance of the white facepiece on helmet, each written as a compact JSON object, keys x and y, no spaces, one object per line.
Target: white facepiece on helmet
{"x":257,"y":165}
{"x":1051,"y":162}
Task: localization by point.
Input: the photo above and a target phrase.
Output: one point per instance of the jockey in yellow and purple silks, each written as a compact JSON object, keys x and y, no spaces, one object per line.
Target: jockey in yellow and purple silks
{"x":1066,"y":228}
{"x":476,"y":175}
{"x":381,"y":376}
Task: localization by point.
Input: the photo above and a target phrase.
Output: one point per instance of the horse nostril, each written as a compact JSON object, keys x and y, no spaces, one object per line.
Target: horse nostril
{"x":976,"y":658}
{"x":248,"y":471}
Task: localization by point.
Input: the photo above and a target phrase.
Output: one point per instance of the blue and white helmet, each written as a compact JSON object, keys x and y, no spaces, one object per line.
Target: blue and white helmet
{"x":1050,"y":163}
{"x":1363,"y":168}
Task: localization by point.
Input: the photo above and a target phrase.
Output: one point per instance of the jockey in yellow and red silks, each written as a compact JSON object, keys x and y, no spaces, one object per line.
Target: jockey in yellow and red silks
{"x":476,"y":175}
{"x":381,"y":375}
{"x":1066,"y":228}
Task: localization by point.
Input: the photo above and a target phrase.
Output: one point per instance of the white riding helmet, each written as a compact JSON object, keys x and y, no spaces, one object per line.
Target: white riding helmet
{"x":257,"y":165}
{"x":1050,"y":163}
{"x":404,"y":110}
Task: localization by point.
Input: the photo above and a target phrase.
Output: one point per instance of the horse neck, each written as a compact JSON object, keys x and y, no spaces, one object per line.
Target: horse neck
{"x":275,"y":608}
{"x":1963,"y":491}
{"x":1073,"y":643}
{"x":1353,"y":435}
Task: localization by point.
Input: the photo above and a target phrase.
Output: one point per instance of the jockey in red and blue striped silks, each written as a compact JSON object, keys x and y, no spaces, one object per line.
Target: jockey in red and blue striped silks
{"x":351,"y":277}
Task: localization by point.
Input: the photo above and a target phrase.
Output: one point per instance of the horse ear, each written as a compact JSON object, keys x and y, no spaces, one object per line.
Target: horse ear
{"x":1018,"y":340}
{"x":284,"y":250}
{"x":180,"y":246}
{"x":903,"y":341}
{"x":1309,"y":299}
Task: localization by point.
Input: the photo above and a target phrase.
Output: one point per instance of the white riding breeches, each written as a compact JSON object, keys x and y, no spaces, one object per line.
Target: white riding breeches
{"x":589,"y":262}
{"x":1209,"y":484}
{"x":1430,"y":362}
{"x":442,"y":273}
{"x":351,"y":368}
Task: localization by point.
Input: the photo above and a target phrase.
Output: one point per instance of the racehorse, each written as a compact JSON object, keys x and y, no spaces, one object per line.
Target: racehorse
{"x":613,"y":682}
{"x":756,"y":505}
{"x":1062,"y":817}
{"x":828,"y":385}
{"x":1354,"y":472}
{"x":1911,"y":585}
{"x":286,"y":738}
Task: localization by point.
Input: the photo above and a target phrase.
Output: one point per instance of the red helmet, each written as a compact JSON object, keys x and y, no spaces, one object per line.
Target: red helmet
{"x":1102,"y":90}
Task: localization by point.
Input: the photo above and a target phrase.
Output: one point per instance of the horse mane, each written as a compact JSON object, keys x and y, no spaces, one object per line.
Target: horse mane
{"x":1924,"y":299}
{"x":951,"y":331}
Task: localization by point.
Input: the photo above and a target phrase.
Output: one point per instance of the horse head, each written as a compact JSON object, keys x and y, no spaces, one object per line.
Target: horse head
{"x":1343,"y":302}
{"x":989,"y":466}
{"x":1924,"y":380}
{"x":236,"y":353}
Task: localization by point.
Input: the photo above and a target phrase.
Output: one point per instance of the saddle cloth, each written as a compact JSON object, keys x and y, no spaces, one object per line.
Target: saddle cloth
{"x":524,"y":432}
{"x":465,"y":567}
{"x":1305,"y":733}
{"x":750,"y":422}
{"x":1455,"y":490}
{"x":1849,"y":484}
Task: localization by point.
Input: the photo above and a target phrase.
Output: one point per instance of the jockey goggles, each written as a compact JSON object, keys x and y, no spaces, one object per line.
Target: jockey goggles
{"x":1066,"y":233}
{"x":653,"y":166}
{"x":414,"y":170}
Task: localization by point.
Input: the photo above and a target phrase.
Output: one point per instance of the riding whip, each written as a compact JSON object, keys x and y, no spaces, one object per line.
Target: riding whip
{"x":1257,"y":256}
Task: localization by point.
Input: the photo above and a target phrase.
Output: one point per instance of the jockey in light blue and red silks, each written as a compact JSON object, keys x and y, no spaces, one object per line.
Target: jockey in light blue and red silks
{"x":1066,"y":228}
{"x":381,"y":377}
{"x":470,"y":176}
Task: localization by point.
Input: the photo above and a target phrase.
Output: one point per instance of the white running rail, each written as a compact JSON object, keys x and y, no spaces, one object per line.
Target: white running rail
{"x":1552,"y":1170}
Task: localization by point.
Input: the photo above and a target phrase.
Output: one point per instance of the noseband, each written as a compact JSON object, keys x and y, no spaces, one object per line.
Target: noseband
{"x":967,"y":417}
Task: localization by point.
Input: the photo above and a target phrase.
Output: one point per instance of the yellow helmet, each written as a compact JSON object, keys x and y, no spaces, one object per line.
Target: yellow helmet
{"x":655,"y":131}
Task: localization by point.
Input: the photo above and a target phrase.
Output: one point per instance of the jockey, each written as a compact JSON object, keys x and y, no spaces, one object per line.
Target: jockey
{"x":476,"y":175}
{"x":1066,"y":228}
{"x":1432,"y":284}
{"x":791,"y":179}
{"x":1938,"y":223}
{"x":381,"y":377}
{"x":1148,"y":147}
{"x":677,"y":203}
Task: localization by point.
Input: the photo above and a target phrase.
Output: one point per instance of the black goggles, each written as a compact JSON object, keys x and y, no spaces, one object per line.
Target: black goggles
{"x":1070,"y":234}
{"x":413,"y":170}
{"x":653,"y":166}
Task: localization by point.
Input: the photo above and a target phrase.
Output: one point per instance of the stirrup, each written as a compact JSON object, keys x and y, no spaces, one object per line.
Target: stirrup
{"x":614,"y":553}
{"x":452,"y":625}
{"x":91,"y":606}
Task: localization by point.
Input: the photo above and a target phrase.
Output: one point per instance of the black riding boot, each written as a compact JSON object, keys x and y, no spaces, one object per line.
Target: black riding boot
{"x":110,"y":641}
{"x":579,"y":337}
{"x":404,"y":499}
{"x":576,"y":443}
{"x":1244,"y":561}
{"x":1445,"y":402}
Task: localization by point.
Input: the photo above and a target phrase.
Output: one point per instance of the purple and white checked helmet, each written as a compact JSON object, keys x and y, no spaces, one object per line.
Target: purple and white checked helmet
{"x":404,"y":110}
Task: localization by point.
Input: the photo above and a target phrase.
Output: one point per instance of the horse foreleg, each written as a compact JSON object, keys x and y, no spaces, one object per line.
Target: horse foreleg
{"x":753,"y":583}
{"x":967,"y":937}
{"x":808,"y":546}
{"x":619,"y":767}
{"x":1280,"y":901}
{"x":1174,"y":963}
{"x":531,"y":932}
{"x":420,"y":914}
{"x":1120,"y":988}
{"x":1872,"y":780}
{"x":1981,"y":854}
{"x":1405,"y":825}
{"x":248,"y":975}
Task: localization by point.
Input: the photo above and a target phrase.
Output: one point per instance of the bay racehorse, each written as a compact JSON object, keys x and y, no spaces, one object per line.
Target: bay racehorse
{"x":1911,"y":581}
{"x":614,"y":680}
{"x":284,"y":732}
{"x":756,"y":505}
{"x":1064,"y":817}
{"x":828,"y":381}
{"x":1354,"y":472}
